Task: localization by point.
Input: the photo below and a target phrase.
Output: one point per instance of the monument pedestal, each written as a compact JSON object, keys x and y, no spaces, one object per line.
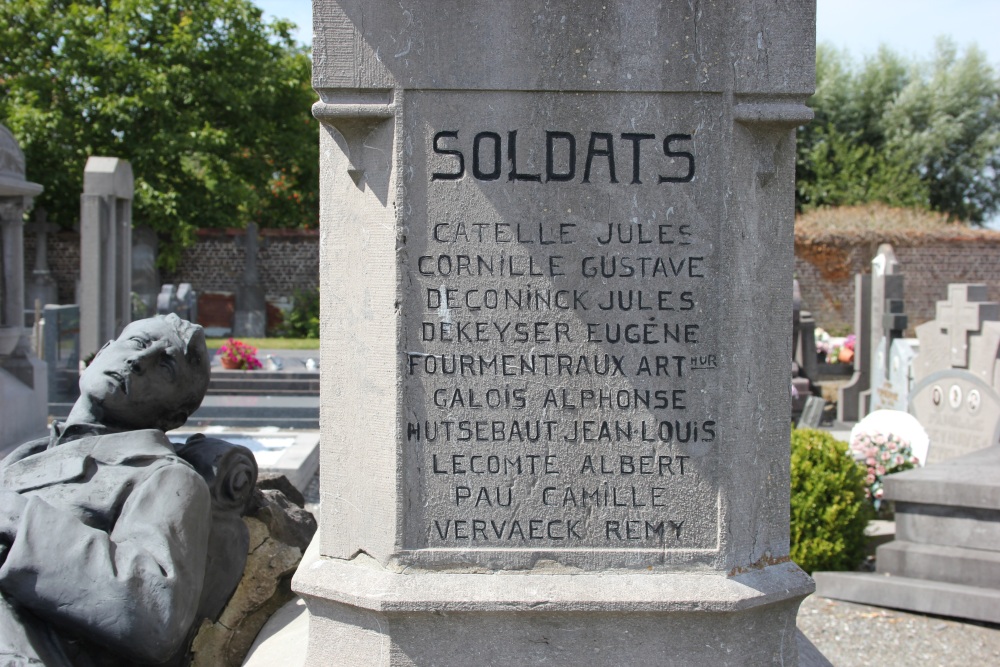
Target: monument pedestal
{"x":550,"y":431}
{"x":363,"y":614}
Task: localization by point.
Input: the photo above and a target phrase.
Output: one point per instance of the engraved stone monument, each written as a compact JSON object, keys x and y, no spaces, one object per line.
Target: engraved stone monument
{"x":250,"y":318}
{"x":105,"y":251}
{"x":956,"y":375}
{"x":556,"y":256}
{"x":42,"y":287}
{"x":23,"y":387}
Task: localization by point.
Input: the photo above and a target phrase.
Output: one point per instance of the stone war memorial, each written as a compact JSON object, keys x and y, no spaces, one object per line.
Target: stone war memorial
{"x":556,"y":251}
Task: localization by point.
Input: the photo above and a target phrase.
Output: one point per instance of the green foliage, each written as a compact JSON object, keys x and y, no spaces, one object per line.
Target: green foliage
{"x":302,"y":321}
{"x":829,"y":511}
{"x":905,"y":133}
{"x":209,"y":104}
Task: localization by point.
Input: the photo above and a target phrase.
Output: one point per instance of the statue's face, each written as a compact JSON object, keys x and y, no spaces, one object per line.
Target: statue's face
{"x":141,"y":376}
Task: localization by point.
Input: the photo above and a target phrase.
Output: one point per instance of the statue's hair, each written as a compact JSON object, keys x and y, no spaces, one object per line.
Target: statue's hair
{"x":195,"y":350}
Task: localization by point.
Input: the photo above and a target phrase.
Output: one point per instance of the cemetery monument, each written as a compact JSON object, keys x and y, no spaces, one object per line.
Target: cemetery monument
{"x":945,"y":559}
{"x":556,"y":251}
{"x":105,"y":251}
{"x":42,"y":287}
{"x":250,"y":318}
{"x":23,"y":381}
{"x":956,"y":375}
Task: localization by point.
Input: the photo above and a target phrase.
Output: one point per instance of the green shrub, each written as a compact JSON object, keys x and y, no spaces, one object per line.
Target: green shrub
{"x":829,"y":512}
{"x":302,"y":321}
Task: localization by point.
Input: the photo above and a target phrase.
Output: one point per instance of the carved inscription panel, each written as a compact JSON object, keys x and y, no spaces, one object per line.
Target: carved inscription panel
{"x":560,"y":342}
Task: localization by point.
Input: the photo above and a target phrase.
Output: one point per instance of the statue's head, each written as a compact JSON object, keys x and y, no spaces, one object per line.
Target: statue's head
{"x":153,"y":376}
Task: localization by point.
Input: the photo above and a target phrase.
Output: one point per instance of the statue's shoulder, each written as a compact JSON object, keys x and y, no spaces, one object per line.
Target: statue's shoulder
{"x":23,"y":451}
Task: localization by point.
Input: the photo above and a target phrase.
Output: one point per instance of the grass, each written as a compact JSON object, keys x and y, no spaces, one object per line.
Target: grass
{"x":270,"y":343}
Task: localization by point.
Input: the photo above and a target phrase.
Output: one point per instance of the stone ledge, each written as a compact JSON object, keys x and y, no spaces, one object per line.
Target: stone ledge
{"x":925,"y":597}
{"x":362,"y":583}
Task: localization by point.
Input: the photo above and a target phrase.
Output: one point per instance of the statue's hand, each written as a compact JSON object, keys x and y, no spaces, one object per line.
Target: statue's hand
{"x":11,"y":506}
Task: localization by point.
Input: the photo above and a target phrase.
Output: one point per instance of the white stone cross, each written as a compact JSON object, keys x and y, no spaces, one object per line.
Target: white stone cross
{"x":962,"y":314}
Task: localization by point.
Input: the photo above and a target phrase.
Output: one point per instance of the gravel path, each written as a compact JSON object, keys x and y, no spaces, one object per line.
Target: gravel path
{"x":855,"y":635}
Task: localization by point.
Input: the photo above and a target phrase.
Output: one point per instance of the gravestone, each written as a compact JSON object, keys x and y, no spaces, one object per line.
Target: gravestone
{"x":849,"y":396}
{"x":167,"y":301}
{"x":878,"y":320}
{"x":61,"y":346}
{"x":250,"y":318}
{"x":945,"y":559}
{"x":145,"y":275}
{"x":956,"y":376}
{"x":895,"y":376}
{"x":42,"y":287}
{"x":555,"y":337}
{"x":105,"y":251}
{"x":187,"y":299}
{"x":23,"y":389}
{"x":804,"y":367}
{"x":812,"y":413}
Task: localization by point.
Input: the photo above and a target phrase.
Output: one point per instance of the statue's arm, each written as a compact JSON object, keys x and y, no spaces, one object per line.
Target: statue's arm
{"x":135,"y":590}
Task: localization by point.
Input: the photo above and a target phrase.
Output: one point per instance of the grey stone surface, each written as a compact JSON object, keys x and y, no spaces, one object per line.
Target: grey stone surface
{"x":23,"y":379}
{"x":42,"y":286}
{"x":947,"y":548}
{"x":105,"y":251}
{"x":956,"y":388}
{"x":145,"y":275}
{"x":61,"y":352}
{"x":114,"y":542}
{"x":895,"y":376}
{"x":250,"y":318}
{"x":812,"y":413}
{"x":849,"y":396}
{"x":956,"y":565}
{"x":545,"y":278}
{"x":920,"y":595}
{"x":884,"y":323}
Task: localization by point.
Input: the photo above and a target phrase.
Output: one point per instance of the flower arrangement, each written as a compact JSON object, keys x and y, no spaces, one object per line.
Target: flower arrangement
{"x":832,"y":350}
{"x":237,"y":355}
{"x":882,"y":455}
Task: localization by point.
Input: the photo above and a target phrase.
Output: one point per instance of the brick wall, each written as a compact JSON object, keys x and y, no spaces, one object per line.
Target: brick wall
{"x":826,"y":275}
{"x":289,"y":261}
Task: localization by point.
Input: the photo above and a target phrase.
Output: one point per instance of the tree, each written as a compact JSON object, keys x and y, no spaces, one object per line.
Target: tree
{"x":903,"y":133}
{"x":210,"y":105}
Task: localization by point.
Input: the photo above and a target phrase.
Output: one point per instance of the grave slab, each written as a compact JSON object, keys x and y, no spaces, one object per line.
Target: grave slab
{"x":546,"y":278}
{"x":956,"y":384}
{"x":947,"y":548}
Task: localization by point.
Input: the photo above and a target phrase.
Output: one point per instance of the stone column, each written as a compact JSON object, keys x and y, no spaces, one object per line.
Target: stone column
{"x":556,"y":251}
{"x":105,"y":251}
{"x":250,"y":318}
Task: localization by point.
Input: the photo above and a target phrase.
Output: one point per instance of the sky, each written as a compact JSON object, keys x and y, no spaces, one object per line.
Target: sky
{"x":907,"y":26}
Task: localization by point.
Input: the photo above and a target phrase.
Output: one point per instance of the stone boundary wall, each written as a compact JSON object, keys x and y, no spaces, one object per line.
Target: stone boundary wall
{"x":289,"y":261}
{"x":826,"y":274}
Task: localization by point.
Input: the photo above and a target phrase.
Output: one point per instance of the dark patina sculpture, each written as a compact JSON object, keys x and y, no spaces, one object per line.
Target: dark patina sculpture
{"x":106,"y":529}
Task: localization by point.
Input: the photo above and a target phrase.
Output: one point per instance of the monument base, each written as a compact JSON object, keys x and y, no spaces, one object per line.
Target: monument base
{"x":24,"y":407}
{"x":362,"y":614}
